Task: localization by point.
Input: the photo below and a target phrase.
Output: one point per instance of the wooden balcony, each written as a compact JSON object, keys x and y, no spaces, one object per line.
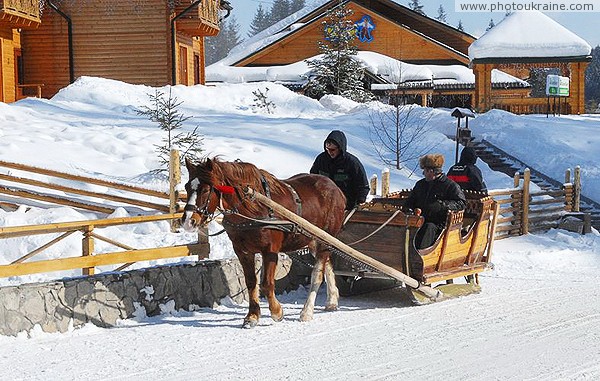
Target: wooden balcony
{"x":202,"y":20}
{"x":20,"y":13}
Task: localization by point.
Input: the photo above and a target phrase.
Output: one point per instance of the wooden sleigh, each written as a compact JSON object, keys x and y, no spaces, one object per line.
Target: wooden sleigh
{"x":377,"y":241}
{"x":380,"y":230}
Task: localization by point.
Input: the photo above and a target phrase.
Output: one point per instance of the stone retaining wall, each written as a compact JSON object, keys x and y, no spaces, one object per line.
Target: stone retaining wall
{"x":105,"y":298}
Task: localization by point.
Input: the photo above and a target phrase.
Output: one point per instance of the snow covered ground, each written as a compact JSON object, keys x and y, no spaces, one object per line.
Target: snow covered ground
{"x":537,"y":317}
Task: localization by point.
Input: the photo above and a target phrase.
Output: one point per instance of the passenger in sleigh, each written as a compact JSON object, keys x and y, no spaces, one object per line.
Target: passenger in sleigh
{"x":435,"y":195}
{"x":466,"y":174}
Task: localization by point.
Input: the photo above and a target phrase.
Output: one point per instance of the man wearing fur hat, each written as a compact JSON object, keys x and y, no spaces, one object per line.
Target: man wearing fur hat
{"x":435,"y":195}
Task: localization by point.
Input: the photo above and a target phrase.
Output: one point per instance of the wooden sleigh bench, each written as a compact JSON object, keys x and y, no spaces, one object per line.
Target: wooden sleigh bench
{"x":382,"y":231}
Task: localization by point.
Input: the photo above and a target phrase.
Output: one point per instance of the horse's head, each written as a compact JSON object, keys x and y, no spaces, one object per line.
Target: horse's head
{"x":203,"y":194}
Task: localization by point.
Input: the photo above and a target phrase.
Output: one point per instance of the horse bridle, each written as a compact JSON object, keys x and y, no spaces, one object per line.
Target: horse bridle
{"x":219,"y":190}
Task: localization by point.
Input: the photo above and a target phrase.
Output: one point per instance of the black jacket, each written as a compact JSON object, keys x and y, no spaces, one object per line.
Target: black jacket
{"x":466,"y":174}
{"x":345,"y":170}
{"x":435,"y":198}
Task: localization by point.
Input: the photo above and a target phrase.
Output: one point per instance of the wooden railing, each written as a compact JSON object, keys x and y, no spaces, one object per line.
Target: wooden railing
{"x":137,"y":198}
{"x":88,"y":259}
{"x":20,"y":13}
{"x":522,"y":211}
{"x":202,"y":21}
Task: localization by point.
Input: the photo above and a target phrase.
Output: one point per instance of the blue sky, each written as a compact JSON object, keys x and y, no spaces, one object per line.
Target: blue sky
{"x":582,"y":24}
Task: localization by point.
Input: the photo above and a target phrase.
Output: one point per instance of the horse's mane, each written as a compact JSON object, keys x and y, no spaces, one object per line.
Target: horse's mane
{"x":239,"y":174}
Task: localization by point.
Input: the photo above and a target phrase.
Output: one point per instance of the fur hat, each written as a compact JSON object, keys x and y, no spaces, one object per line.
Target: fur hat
{"x":434,"y":160}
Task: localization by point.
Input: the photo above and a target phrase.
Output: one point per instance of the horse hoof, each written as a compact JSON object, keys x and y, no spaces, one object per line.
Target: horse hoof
{"x":331,"y":307}
{"x":305,"y":317}
{"x":249,"y":324}
{"x":277,"y":318}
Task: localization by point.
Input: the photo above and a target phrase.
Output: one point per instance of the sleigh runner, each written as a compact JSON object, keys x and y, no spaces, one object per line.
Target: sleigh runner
{"x":377,"y":242}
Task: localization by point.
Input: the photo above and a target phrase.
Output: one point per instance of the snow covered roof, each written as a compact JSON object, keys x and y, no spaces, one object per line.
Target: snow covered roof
{"x":386,"y":68}
{"x":528,"y":34}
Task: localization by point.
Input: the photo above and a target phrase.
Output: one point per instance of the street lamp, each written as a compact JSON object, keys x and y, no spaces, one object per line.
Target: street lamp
{"x":463,"y":135}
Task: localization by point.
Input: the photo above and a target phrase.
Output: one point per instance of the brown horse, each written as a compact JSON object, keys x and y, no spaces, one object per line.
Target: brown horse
{"x":253,"y":228}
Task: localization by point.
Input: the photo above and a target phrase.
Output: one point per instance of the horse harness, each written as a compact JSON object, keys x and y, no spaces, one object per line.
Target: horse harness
{"x":253,"y":223}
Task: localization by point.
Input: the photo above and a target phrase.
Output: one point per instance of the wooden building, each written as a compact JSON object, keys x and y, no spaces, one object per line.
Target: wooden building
{"x":402,"y":34}
{"x":398,"y":32}
{"x":151,"y":42}
{"x":529,"y":46}
{"x":15,"y":16}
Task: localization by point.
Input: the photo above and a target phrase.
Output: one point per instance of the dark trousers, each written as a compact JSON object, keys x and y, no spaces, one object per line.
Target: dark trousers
{"x":427,"y":235}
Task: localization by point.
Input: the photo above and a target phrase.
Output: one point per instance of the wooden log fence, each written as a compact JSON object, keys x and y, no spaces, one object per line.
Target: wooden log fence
{"x":140,"y":200}
{"x":89,"y":259}
{"x":522,"y":211}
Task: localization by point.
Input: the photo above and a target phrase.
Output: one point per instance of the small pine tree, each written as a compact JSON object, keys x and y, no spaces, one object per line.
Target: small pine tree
{"x":260,"y":21}
{"x":416,"y":6}
{"x":262,"y":102}
{"x":336,"y":71}
{"x":490,"y":25}
{"x":164,"y":111}
{"x":442,"y":16}
{"x":460,"y":26}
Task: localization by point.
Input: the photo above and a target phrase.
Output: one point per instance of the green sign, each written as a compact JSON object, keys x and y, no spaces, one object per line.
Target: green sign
{"x":557,"y":86}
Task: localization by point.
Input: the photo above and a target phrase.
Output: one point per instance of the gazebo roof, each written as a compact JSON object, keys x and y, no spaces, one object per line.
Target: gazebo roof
{"x":528,"y":34}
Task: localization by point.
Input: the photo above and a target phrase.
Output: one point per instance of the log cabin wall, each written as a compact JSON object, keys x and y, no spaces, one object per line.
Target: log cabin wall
{"x":111,"y":39}
{"x":7,"y":64}
{"x":389,"y":38}
{"x":128,"y":41}
{"x":487,"y":98}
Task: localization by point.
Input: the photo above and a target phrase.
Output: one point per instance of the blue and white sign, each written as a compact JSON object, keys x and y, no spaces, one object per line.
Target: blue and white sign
{"x":364,"y":29}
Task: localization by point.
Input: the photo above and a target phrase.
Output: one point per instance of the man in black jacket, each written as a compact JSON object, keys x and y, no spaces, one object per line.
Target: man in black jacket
{"x":466,"y":174}
{"x":343,"y":168}
{"x":435,"y":195}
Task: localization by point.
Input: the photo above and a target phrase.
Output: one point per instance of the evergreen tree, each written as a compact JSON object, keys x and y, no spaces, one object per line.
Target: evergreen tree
{"x":416,"y":6}
{"x":442,"y":16}
{"x":490,"y":25}
{"x":592,"y":81}
{"x":279,"y":10}
{"x":460,"y":26}
{"x":260,"y":21}
{"x":164,"y":111}
{"x":218,"y":47}
{"x":336,"y":71}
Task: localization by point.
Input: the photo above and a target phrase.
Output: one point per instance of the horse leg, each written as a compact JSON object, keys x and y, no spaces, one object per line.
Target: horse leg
{"x":247,"y":262}
{"x":316,"y":278}
{"x":333,"y":295}
{"x":268,"y":284}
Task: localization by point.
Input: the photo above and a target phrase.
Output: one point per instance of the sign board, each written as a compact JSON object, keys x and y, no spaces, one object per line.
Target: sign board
{"x":557,"y":86}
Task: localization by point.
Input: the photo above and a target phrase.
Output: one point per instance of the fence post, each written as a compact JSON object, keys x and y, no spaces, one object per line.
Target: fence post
{"x":174,"y":180}
{"x":576,"y":188}
{"x":516,"y":179}
{"x":568,"y":175}
{"x":373,"y":185}
{"x":87,"y":248}
{"x":525,"y":202}
{"x":385,"y":182}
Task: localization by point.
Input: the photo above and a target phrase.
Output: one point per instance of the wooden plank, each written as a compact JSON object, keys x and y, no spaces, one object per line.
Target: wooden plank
{"x":83,"y":192}
{"x":336,"y":243}
{"x":110,"y":184}
{"x":92,"y":261}
{"x":55,"y":200}
{"x":20,"y":231}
